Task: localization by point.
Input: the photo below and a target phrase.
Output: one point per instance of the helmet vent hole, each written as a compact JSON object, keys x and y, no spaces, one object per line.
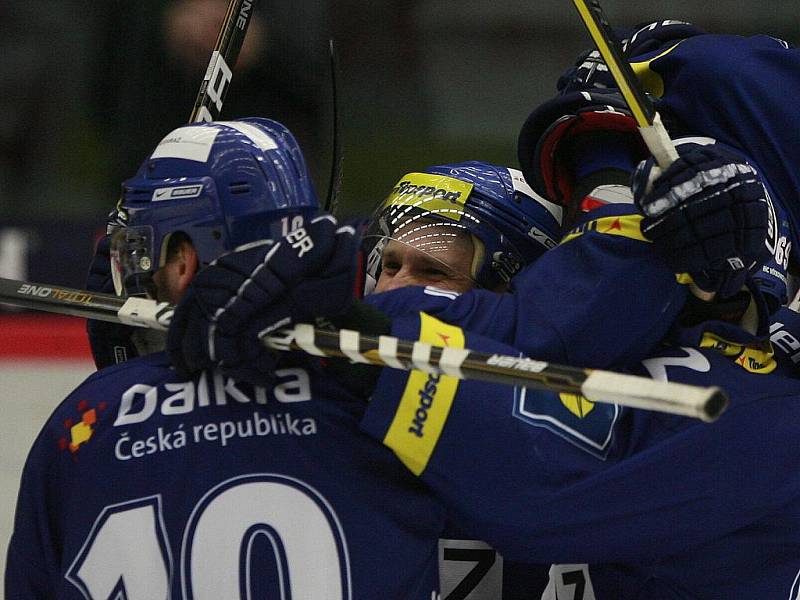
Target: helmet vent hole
{"x":216,"y":234}
{"x":240,"y":187}
{"x":137,"y":194}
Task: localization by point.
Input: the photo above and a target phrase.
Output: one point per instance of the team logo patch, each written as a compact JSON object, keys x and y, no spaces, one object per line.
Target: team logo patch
{"x":584,"y":424}
{"x":577,"y":404}
{"x":80,"y":429}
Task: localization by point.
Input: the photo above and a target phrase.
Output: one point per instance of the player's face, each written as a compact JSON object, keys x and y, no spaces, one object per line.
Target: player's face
{"x":445,"y":266}
{"x":174,"y":277}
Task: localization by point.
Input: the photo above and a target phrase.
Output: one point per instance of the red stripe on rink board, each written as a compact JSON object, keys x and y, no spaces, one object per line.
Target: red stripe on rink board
{"x":50,"y":337}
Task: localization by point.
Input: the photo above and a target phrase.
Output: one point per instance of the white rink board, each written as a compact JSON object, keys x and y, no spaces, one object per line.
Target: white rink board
{"x":29,"y":391}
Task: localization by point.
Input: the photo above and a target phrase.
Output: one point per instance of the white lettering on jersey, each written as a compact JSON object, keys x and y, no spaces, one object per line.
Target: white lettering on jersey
{"x":140,"y":401}
{"x":657,"y":367}
{"x":785,"y":341}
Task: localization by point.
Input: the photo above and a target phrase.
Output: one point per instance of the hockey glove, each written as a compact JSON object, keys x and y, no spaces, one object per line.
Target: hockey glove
{"x":707,"y":215}
{"x":258,"y":289}
{"x":590,"y":72}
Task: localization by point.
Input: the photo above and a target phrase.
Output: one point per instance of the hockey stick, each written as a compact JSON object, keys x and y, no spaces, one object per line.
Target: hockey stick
{"x":332,"y":201}
{"x":208,"y":105}
{"x":648,"y":120}
{"x":596,"y":385}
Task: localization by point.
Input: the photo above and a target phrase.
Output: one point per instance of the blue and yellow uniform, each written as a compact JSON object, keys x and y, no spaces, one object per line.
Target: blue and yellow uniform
{"x":734,"y":89}
{"x":486,"y":448}
{"x":682,"y":509}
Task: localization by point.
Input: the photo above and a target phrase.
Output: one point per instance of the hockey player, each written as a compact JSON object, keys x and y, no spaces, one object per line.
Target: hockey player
{"x":644,"y":491}
{"x":726,"y":88}
{"x":408,"y":243}
{"x":600,"y":258}
{"x":144,"y":484}
{"x":701,"y":86}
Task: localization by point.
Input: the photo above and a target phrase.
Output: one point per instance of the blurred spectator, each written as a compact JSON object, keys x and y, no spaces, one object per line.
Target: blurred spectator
{"x":50,"y":160}
{"x":151,"y":56}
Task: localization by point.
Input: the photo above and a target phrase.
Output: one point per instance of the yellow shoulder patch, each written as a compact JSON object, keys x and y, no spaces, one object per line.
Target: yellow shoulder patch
{"x":651,"y":81}
{"x":629,"y":226}
{"x":426,"y":401}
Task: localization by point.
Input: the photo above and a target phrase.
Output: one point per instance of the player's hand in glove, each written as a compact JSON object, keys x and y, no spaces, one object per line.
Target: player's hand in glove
{"x":111,"y":343}
{"x":590,"y":72}
{"x":707,"y":215}
{"x":259,"y":289}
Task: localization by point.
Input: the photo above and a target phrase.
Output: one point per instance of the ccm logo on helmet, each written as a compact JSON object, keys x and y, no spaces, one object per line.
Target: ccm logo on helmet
{"x":407,"y":188}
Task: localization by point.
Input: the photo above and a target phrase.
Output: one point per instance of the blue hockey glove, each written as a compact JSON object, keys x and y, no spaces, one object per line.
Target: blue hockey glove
{"x":111,"y":343}
{"x":707,"y":215}
{"x":258,"y":289}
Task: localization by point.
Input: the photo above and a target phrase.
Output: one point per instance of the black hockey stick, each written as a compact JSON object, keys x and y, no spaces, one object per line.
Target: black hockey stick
{"x":208,"y":105}
{"x":337,"y":157}
{"x":610,"y":48}
{"x":595,"y":385}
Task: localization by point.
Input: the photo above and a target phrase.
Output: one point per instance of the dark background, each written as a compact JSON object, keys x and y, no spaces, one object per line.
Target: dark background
{"x":87,"y":89}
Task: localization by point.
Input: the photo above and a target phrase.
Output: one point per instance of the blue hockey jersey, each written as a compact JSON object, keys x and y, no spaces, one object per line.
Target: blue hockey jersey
{"x":689,"y":510}
{"x":145,"y":486}
{"x":785,"y":337}
{"x":737,"y":90}
{"x":600,"y":299}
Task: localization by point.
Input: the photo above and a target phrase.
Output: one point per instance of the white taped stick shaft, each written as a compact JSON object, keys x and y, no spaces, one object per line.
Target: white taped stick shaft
{"x":349,"y":342}
{"x":638,"y":392}
{"x":421,"y":357}
{"x":304,"y":338}
{"x":451,"y":361}
{"x":387,"y":350}
{"x":141,"y":312}
{"x":659,"y":143}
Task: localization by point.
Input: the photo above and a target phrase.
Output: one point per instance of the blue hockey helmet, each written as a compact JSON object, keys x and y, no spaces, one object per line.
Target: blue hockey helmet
{"x":509,"y":224}
{"x":222,"y":184}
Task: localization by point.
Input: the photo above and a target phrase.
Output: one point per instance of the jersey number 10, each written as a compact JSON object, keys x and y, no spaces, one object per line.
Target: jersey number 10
{"x":127,"y":553}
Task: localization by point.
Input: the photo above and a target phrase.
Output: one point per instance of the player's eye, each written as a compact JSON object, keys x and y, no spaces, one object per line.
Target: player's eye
{"x":437,"y":273}
{"x":390,"y":267}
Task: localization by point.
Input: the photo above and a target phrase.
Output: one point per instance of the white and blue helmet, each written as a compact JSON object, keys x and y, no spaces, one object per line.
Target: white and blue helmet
{"x":508,"y":222}
{"x":222,"y":184}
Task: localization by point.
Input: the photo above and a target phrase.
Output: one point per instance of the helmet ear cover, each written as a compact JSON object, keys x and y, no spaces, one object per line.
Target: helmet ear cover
{"x":550,"y":140}
{"x":560,"y":145}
